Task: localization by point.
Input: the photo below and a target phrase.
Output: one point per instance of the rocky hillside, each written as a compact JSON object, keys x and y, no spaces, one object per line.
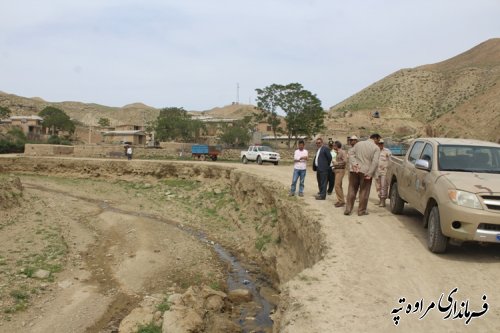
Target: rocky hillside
{"x":86,"y":113}
{"x":137,"y":113}
{"x":459,"y":97}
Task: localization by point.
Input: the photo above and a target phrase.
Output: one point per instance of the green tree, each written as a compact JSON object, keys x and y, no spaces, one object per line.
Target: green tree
{"x":174,"y":123}
{"x":13,"y":141}
{"x":103,"y":122}
{"x":239,"y":133}
{"x":56,"y":119}
{"x":303,"y":112}
{"x":269,"y":104}
{"x":4,"y":112}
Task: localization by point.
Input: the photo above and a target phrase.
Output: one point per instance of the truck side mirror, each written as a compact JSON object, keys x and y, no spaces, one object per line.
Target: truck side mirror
{"x":423,"y":165}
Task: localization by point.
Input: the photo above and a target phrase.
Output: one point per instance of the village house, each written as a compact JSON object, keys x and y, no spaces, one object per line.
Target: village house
{"x":125,"y":134}
{"x":30,"y":125}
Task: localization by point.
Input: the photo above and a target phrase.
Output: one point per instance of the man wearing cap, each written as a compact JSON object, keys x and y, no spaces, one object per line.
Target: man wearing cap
{"x":321,"y":164}
{"x":339,"y":167}
{"x":364,"y":163}
{"x":381,"y":183}
{"x":352,"y":140}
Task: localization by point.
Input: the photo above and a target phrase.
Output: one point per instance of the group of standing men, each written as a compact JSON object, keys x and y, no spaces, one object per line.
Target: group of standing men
{"x":364,"y":161}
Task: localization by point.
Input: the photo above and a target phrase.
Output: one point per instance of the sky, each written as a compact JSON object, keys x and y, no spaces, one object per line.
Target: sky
{"x":201,"y":54}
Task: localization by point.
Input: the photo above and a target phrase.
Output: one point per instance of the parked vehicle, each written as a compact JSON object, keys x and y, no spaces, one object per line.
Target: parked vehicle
{"x":455,"y":184}
{"x":203,"y":152}
{"x":260,"y":154}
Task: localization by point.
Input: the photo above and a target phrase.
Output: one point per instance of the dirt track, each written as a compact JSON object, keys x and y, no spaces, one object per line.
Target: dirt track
{"x":371,"y":262}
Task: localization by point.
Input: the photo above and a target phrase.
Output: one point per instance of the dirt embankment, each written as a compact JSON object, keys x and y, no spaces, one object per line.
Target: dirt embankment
{"x":11,"y":191}
{"x":107,"y":240}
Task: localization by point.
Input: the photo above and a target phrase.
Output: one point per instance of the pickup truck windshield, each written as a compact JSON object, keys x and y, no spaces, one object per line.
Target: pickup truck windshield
{"x":469,"y":158}
{"x":264,"y":148}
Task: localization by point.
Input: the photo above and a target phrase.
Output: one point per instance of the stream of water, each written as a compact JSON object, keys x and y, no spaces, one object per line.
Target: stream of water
{"x":250,"y":319}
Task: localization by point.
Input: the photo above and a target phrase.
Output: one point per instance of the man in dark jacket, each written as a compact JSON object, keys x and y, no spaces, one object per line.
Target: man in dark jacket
{"x":321,"y":164}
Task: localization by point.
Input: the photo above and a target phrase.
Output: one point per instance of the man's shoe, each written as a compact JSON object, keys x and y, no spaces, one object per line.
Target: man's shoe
{"x":347,"y":213}
{"x":339,"y":204}
{"x":319,"y":198}
{"x":301,"y":194}
{"x":291,"y":194}
{"x":329,"y":193}
{"x":382,"y":203}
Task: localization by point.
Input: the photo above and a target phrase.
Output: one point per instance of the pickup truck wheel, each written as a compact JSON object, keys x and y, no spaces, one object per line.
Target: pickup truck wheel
{"x":397,"y":204}
{"x":436,"y":241}
{"x":259,"y":160}
{"x":244,"y":160}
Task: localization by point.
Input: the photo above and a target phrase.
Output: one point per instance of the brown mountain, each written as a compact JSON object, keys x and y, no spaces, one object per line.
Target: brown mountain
{"x":459,"y":97}
{"x":136,"y":113}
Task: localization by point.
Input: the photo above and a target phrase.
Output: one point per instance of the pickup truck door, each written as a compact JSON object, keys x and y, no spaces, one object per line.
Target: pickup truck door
{"x":409,"y":176}
{"x":422,"y":179}
{"x":252,"y":153}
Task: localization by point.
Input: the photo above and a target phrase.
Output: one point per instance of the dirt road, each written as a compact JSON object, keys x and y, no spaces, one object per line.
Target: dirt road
{"x":375,"y":260}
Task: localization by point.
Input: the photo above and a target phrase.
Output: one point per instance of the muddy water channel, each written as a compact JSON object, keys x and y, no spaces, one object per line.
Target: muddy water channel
{"x":122,"y":221}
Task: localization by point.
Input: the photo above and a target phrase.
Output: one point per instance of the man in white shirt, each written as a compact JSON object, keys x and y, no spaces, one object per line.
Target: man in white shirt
{"x":299,"y":169}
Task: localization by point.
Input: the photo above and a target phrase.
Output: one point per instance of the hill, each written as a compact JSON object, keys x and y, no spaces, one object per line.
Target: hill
{"x":89,"y":113}
{"x":459,"y":97}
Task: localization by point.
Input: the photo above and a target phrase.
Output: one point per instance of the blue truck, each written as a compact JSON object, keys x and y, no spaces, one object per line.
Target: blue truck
{"x":203,"y":152}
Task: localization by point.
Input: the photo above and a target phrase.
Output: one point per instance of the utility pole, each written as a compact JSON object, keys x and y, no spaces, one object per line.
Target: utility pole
{"x":237,"y":93}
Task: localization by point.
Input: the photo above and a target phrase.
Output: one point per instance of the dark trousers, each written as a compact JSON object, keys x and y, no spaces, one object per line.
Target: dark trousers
{"x":322,"y":178}
{"x":358,"y":181}
{"x":331,"y":180}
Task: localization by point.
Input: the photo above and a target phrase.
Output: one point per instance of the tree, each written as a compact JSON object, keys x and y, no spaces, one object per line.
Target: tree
{"x":303,"y":112}
{"x":268,"y":104}
{"x":103,"y":122}
{"x":4,"y":112}
{"x":174,"y":123}
{"x":239,"y":133}
{"x":56,"y":119}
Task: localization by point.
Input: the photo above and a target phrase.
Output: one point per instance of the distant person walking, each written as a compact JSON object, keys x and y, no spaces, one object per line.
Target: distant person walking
{"x":321,"y":164}
{"x":339,"y":165}
{"x":129,"y":152}
{"x":381,"y":183}
{"x":365,"y":156}
{"x":299,"y":168}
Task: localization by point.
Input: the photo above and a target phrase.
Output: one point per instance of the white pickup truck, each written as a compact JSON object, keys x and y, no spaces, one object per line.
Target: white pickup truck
{"x":455,"y":184}
{"x":260,"y":154}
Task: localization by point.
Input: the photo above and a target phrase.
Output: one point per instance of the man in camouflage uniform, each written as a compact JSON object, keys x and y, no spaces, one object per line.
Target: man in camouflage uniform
{"x":382,"y":183}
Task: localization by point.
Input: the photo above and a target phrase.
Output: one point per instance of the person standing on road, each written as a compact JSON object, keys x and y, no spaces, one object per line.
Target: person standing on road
{"x":129,"y":152}
{"x":331,"y":175}
{"x":321,"y":165}
{"x":365,"y":156}
{"x":381,"y":183}
{"x":299,"y":169}
{"x":339,"y":165}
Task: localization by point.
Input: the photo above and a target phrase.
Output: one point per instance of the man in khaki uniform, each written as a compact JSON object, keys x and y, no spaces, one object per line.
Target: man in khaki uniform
{"x":339,"y":165}
{"x":381,"y":183}
{"x":364,"y":163}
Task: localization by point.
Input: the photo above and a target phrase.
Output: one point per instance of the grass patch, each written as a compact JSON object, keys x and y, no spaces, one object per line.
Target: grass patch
{"x":262,"y":241}
{"x":186,"y":184}
{"x":164,"y":306}
{"x":149,"y":328}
